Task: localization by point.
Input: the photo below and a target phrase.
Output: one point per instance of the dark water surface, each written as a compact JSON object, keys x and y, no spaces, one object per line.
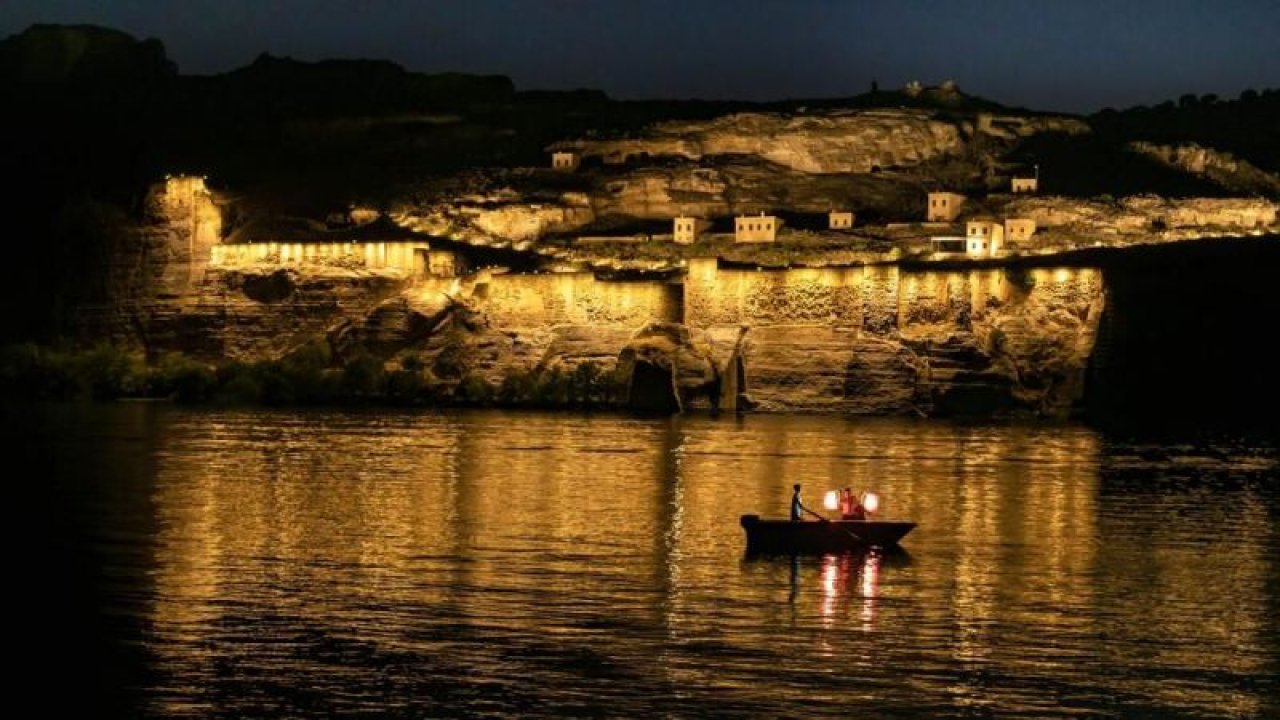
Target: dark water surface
{"x":233,"y":564}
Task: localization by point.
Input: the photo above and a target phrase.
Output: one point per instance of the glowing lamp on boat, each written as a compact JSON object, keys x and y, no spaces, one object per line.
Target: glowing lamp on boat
{"x":831,"y":501}
{"x":870,"y":501}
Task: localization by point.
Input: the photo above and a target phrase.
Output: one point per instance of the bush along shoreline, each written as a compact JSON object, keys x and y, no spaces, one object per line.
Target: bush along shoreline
{"x":308,"y":376}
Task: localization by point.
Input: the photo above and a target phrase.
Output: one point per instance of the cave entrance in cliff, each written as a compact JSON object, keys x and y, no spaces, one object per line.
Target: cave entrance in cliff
{"x":652,"y":390}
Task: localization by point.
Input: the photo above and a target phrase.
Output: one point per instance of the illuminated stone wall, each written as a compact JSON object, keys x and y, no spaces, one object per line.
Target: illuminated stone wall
{"x":933,"y":297}
{"x":861,"y":297}
{"x":882,"y":339}
{"x":720,"y":296}
{"x":406,"y":256}
{"x":577,"y":298}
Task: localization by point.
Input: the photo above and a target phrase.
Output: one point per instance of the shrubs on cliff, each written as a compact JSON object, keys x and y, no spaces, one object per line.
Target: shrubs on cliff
{"x":586,"y":386}
{"x":31,"y":372}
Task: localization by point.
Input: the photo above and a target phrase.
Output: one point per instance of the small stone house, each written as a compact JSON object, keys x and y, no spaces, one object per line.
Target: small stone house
{"x":755,"y":229}
{"x":1025,"y":184}
{"x":839,"y":220}
{"x":1019,"y":229}
{"x":984,"y":238}
{"x":686,"y":229}
{"x":944,"y":206}
{"x":565,"y":160}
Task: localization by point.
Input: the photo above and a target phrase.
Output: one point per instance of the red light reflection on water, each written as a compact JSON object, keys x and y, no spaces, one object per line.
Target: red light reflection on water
{"x":845,"y":577}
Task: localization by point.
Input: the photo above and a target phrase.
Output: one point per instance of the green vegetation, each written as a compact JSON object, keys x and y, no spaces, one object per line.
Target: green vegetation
{"x":307,"y":376}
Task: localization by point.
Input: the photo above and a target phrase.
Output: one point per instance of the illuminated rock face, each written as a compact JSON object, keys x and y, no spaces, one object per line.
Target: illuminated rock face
{"x":823,"y":143}
{"x":1137,"y":216}
{"x":874,"y":339}
{"x":180,"y":212}
{"x":843,"y":141}
{"x":880,"y":340}
{"x":501,"y":219}
{"x":1220,"y":167}
{"x":741,"y":187}
{"x":152,"y":269}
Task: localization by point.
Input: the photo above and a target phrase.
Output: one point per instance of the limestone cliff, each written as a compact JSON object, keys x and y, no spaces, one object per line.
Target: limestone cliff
{"x":1146,"y":218}
{"x":836,"y":141}
{"x":1221,"y":167}
{"x":863,"y":339}
{"x":859,"y":341}
{"x":725,"y":188}
{"x":830,"y":142}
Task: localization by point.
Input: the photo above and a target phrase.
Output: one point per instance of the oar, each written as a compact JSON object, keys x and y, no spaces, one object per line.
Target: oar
{"x":849,"y":532}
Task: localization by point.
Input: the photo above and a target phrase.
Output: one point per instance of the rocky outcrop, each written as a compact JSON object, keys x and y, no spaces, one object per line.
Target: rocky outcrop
{"x":743,"y":185}
{"x":1146,"y":215}
{"x":1222,"y":168}
{"x":498,"y":219}
{"x":1012,"y":127}
{"x":832,"y":142}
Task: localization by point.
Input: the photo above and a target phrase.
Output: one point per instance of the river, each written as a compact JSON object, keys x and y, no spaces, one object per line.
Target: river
{"x":210,"y":563}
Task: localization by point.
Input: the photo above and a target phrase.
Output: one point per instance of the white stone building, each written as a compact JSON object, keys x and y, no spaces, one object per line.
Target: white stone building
{"x":565,"y":160}
{"x":944,"y":206}
{"x":686,"y":229}
{"x":756,"y":228}
{"x":984,"y":238}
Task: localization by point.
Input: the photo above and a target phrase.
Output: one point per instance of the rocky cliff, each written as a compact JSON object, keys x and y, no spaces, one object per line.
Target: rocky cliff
{"x":1141,"y":219}
{"x":828,"y":142}
{"x":870,"y":339}
{"x":860,"y":340}
{"x":1221,"y":167}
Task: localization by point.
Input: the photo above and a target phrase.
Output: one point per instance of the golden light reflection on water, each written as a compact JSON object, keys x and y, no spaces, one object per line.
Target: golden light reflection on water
{"x":504,"y":539}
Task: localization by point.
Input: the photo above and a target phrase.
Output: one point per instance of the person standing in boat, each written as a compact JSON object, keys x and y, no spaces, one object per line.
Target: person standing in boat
{"x":798,"y":507}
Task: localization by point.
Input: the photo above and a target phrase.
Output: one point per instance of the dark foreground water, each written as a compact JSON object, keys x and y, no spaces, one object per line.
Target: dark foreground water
{"x":248,"y":564}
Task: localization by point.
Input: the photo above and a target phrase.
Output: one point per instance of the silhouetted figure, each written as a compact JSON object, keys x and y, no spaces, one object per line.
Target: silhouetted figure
{"x":797,"y":507}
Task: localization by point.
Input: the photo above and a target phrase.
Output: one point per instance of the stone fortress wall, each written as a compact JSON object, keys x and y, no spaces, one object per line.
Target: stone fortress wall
{"x":407,"y":256}
{"x":546,"y":299}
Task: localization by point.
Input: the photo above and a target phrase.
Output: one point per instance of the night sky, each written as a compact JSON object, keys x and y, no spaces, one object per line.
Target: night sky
{"x":1075,"y":56}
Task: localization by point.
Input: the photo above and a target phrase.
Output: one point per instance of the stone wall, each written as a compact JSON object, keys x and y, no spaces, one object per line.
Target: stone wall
{"x":720,"y":296}
{"x":407,"y":256}
{"x":514,"y":301}
{"x":879,"y":339}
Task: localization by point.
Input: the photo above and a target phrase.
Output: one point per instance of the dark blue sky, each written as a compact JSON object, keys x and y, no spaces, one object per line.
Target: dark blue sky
{"x":1079,"y":55}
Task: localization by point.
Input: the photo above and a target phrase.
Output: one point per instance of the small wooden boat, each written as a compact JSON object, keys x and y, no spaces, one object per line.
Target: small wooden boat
{"x":770,"y":536}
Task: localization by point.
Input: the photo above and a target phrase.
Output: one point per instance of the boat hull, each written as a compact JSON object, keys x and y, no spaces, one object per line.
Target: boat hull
{"x":811,"y":536}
